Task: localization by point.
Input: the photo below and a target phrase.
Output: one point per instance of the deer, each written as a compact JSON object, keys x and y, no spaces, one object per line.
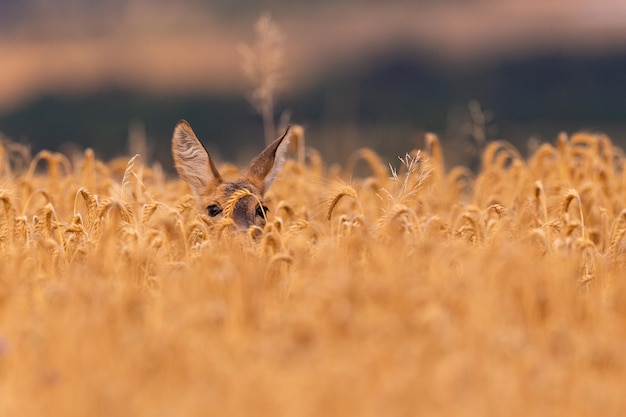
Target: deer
{"x":196,"y":167}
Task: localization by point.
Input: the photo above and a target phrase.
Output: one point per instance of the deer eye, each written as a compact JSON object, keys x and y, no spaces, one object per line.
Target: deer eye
{"x":260,"y":210}
{"x":213,"y":210}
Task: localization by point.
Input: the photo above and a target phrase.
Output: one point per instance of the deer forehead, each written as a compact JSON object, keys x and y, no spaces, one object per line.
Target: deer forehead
{"x":224,"y":190}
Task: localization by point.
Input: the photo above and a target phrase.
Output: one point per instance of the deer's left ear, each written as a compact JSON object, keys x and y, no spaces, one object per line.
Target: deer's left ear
{"x":264,"y":168}
{"x":192,"y":161}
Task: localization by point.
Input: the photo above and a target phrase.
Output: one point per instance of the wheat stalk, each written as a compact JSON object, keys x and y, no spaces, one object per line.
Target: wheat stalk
{"x":372,"y":159}
{"x":128,"y":174}
{"x":344,"y":191}
{"x":570,"y":196}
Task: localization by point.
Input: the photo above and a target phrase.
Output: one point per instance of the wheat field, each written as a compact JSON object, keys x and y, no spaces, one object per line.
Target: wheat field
{"x":416,"y":290}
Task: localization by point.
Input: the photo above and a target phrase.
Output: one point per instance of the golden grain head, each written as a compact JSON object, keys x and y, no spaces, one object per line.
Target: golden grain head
{"x":344,"y":191}
{"x":421,"y":292}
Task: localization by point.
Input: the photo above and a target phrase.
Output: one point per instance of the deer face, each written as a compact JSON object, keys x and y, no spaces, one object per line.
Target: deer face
{"x":241,"y":199}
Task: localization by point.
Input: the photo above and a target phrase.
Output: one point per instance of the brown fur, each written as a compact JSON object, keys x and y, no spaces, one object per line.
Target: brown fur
{"x":195,"y":166}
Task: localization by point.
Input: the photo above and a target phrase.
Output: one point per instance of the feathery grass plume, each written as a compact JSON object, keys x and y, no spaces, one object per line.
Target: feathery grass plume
{"x":263,"y":64}
{"x":418,"y":170}
{"x":479,"y":126}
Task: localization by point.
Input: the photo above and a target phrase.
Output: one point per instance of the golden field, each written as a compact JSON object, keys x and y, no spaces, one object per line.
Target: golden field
{"x":418,"y":290}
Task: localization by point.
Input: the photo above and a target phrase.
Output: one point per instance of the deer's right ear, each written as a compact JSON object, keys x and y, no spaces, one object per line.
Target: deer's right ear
{"x":192,"y":161}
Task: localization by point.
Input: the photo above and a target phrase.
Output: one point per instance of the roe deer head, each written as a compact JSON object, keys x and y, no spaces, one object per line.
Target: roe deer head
{"x":195,"y":166}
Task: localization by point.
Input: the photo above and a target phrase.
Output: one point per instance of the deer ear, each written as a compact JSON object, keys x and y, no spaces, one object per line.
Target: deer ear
{"x":264,"y":168}
{"x":192,"y":161}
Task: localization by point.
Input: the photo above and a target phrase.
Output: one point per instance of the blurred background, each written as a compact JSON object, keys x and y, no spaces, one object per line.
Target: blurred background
{"x":353,"y":72}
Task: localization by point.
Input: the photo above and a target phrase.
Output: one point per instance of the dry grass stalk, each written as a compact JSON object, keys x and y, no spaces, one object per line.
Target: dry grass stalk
{"x":263,"y":64}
